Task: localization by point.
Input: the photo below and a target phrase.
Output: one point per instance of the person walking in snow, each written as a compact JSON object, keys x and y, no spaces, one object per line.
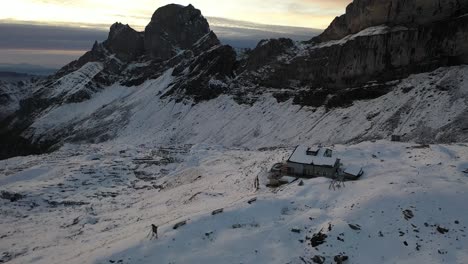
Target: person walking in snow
{"x":154,"y":229}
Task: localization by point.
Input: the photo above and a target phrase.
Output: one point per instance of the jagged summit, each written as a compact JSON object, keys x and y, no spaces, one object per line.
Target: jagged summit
{"x":125,"y":42}
{"x":172,"y":28}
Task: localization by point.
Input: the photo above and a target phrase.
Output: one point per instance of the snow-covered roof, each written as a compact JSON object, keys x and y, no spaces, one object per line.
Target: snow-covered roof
{"x":300,"y":155}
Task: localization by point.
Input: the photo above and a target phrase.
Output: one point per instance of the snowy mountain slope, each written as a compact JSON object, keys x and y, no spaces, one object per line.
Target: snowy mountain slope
{"x":429,"y":107}
{"x":95,"y":204}
{"x":11,"y":94}
{"x":72,"y":83}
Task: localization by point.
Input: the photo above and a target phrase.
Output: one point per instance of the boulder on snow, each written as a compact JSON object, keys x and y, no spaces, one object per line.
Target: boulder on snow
{"x":180,"y":224}
{"x":318,"y":239}
{"x":218,"y":211}
{"x":339,"y":259}
{"x":13,"y":197}
{"x":442,"y":230}
{"x":318,"y":259}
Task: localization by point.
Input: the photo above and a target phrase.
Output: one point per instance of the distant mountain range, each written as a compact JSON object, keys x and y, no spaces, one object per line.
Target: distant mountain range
{"x":242,"y":34}
{"x":24,"y":69}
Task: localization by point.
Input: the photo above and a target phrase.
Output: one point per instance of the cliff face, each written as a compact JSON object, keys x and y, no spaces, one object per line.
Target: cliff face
{"x":361,"y":14}
{"x":375,"y":40}
{"x":125,"y":42}
{"x":173,"y":28}
{"x":379,"y":53}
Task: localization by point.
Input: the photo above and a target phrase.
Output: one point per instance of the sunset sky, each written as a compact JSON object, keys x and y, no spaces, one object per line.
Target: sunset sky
{"x":20,"y":45}
{"x":303,"y":13}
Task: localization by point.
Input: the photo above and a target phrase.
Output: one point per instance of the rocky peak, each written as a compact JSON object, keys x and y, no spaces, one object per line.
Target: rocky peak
{"x":174,"y":27}
{"x":125,"y":42}
{"x":267,"y":51}
{"x":361,"y":14}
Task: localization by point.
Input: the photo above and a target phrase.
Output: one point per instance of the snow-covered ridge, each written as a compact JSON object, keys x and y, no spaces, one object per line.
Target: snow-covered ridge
{"x":371,"y":31}
{"x":72,"y":83}
{"x":425,"y":107}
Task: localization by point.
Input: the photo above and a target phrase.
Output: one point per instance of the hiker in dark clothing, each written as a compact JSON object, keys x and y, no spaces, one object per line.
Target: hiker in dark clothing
{"x":154,"y":234}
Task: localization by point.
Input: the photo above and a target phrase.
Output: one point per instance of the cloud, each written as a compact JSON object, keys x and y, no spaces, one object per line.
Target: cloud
{"x":82,"y":36}
{"x":242,"y":34}
{"x":46,"y":37}
{"x":52,"y":45}
{"x":308,"y":13}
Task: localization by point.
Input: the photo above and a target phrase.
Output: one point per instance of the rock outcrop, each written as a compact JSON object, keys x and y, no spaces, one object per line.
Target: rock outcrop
{"x":267,"y":51}
{"x":405,"y":43}
{"x":361,"y":14}
{"x":174,"y":28}
{"x":125,"y":42}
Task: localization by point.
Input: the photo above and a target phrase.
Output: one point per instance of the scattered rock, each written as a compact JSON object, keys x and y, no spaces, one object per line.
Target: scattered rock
{"x":442,"y":230}
{"x":442,"y":252}
{"x":408,"y":214}
{"x":318,"y":239}
{"x":301,"y":183}
{"x":219,"y":211}
{"x":339,"y":259}
{"x":236,"y":226}
{"x":318,"y":259}
{"x":180,"y":224}
{"x":5,"y":257}
{"x":251,"y":201}
{"x":296,"y":230}
{"x":67,"y":203}
{"x":13,"y":197}
{"x":355,"y":227}
{"x":406,"y":243}
{"x":74,"y":222}
{"x":422,"y":146}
